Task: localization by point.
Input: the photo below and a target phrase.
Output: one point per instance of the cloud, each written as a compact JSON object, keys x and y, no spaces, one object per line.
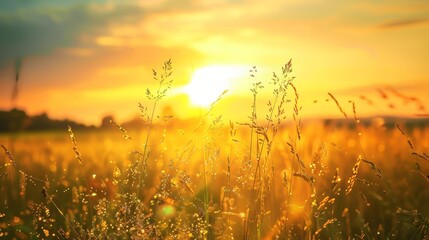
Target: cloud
{"x":32,"y":30}
{"x":404,"y":23}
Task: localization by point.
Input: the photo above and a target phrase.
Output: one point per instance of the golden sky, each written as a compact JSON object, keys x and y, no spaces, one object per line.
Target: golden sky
{"x":85,"y":59}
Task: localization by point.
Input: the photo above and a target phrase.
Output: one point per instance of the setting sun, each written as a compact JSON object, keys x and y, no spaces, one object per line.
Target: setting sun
{"x":208,"y":83}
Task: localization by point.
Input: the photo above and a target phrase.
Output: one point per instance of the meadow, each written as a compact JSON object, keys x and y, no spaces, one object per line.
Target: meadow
{"x":273,"y":176}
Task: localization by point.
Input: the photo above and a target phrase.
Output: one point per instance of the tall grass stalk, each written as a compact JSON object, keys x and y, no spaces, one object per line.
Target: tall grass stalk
{"x":280,"y":85}
{"x":164,"y":84}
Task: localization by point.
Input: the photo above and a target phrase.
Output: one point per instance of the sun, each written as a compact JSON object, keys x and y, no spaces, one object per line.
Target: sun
{"x":208,"y":83}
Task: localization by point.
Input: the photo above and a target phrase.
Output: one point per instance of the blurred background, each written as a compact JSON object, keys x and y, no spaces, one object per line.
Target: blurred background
{"x":85,"y":60}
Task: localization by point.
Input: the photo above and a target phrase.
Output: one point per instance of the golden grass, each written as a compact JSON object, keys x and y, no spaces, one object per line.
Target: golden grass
{"x":262,"y":179}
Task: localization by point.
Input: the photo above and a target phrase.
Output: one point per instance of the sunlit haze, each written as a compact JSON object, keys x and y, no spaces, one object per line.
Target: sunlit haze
{"x":208,"y":83}
{"x":83,"y":60}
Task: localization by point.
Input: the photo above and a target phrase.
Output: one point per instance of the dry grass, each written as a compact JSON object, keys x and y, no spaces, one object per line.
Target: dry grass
{"x":267,"y":178}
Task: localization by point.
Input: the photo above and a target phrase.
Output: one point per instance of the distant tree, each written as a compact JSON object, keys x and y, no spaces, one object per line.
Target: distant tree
{"x":167,"y":112}
{"x":18,"y":120}
{"x":13,"y":120}
{"x":106,"y":121}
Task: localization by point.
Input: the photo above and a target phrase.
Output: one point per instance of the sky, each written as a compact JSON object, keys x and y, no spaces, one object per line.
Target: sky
{"x":84,"y":59}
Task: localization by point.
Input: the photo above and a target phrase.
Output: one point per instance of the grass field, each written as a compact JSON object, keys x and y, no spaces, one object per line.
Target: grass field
{"x":273,"y":178}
